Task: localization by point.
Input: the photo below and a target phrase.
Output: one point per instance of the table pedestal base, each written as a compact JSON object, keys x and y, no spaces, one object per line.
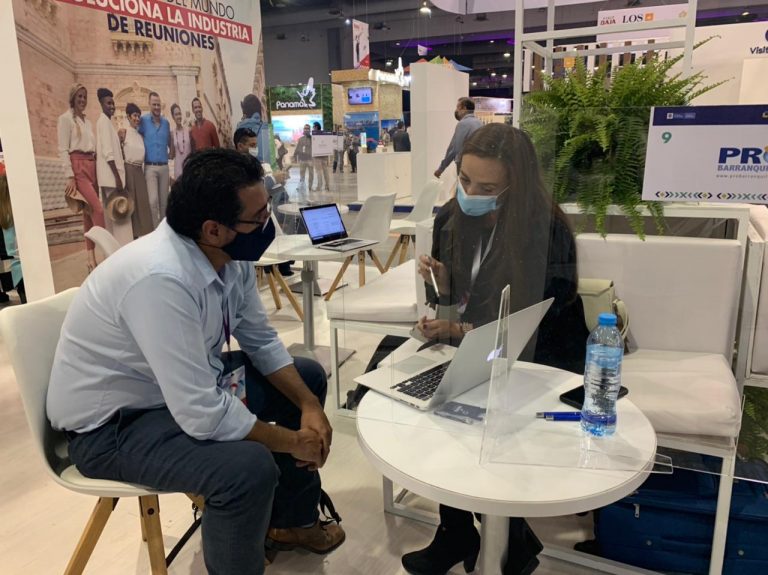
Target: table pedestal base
{"x":494,"y":536}
{"x":320,"y":353}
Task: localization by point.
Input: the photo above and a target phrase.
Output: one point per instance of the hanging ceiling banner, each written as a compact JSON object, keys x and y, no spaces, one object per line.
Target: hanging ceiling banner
{"x":361,"y":51}
{"x":636,"y":15}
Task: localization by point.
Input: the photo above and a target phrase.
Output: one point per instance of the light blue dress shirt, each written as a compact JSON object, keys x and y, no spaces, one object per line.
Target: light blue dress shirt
{"x":156,"y":138}
{"x":146,"y":330}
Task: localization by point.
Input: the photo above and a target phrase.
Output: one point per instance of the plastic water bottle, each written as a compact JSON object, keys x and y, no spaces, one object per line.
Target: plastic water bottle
{"x":602,"y":377}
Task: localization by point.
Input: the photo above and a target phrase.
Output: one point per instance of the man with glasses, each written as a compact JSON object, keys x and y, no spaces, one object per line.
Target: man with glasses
{"x":145,"y":394}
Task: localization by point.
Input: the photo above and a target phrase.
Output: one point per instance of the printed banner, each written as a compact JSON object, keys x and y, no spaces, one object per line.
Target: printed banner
{"x":119,"y":93}
{"x":708,"y":153}
{"x":361,"y":51}
{"x":637,"y":15}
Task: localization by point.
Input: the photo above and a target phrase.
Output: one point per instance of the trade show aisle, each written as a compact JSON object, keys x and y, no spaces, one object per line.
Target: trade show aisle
{"x":42,"y":521}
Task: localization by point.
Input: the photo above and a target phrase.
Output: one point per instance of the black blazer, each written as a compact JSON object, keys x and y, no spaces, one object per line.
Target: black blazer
{"x":562,"y":335}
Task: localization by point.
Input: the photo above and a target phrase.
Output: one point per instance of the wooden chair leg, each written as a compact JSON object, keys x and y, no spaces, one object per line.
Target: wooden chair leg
{"x":288,"y":293}
{"x":404,"y":248}
{"x":197,"y":500}
{"x":275,"y":294}
{"x":338,"y":277}
{"x":376,"y":260}
{"x":143,"y":527}
{"x":393,"y":253}
{"x":361,"y":268}
{"x":150,"y":513}
{"x":91,"y":534}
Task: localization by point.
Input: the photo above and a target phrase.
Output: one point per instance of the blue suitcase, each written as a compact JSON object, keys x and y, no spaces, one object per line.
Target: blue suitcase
{"x":667,"y":525}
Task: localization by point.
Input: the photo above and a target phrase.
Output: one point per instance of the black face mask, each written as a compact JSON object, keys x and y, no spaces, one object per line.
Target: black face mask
{"x":250,"y":247}
{"x":456,"y":115}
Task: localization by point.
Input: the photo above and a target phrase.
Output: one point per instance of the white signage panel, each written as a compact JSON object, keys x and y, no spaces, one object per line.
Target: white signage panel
{"x":636,"y":16}
{"x":708,"y":154}
{"x":361,"y":50}
{"x":323,"y":145}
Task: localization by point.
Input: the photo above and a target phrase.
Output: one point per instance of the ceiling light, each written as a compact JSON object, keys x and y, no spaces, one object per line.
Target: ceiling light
{"x":493,"y":74}
{"x":745,"y":13}
{"x":347,"y":21}
{"x":474,"y":83}
{"x":388,"y":63}
{"x":507,"y":55}
{"x":503,"y":75}
{"x":493,"y":41}
{"x":425,"y":9}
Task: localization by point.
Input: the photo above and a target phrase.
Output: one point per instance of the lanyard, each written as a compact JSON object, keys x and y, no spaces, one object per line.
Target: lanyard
{"x":480,"y":256}
{"x":227,"y":333}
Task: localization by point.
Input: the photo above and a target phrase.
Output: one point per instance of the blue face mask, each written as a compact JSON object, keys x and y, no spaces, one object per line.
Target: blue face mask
{"x":250,"y":247}
{"x":474,"y":205}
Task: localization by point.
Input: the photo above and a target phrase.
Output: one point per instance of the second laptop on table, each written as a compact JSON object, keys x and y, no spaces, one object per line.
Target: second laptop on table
{"x":327,"y":231}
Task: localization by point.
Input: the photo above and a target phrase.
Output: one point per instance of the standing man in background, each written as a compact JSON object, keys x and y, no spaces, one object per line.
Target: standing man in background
{"x":303,"y":154}
{"x":158,"y":146}
{"x":110,"y":167}
{"x":321,"y":163}
{"x":468,"y":123}
{"x":203,"y":133}
{"x":401,"y":141}
{"x":255,"y":119}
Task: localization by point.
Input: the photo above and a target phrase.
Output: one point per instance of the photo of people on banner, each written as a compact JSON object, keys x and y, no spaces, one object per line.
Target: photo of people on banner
{"x":130,"y":90}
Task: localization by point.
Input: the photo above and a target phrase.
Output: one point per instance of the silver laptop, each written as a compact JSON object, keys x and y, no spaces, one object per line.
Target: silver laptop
{"x":327,"y":231}
{"x":439,"y":373}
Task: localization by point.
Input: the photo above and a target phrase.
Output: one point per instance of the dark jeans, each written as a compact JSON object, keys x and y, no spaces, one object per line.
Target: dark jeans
{"x":246,"y":487}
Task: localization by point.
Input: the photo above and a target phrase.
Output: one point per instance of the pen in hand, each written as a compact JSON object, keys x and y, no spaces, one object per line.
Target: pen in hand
{"x":434,"y":281}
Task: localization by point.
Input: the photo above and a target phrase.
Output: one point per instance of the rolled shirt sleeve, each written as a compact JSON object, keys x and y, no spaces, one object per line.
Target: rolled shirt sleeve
{"x":168,"y":333}
{"x":257,"y":338}
{"x":104,"y":139}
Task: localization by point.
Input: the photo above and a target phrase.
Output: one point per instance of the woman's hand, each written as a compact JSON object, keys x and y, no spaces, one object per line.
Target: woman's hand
{"x":70,"y":189}
{"x":427,"y":263}
{"x":439,"y":328}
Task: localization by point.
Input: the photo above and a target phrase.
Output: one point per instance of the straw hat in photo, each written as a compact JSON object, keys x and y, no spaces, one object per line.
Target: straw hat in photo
{"x":118,"y":207}
{"x":76,"y":202}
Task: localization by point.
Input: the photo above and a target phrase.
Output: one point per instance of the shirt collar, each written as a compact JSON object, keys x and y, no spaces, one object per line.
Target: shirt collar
{"x":207,"y":274}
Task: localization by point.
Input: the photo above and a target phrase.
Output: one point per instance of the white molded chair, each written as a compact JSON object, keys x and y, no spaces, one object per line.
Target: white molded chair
{"x":269,"y":267}
{"x":372,"y":224}
{"x":107,"y":243}
{"x":422,"y":209}
{"x":30,"y":333}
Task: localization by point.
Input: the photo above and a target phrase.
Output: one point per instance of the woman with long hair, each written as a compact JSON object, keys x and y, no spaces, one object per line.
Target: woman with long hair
{"x":77,"y":150}
{"x":502,"y":228}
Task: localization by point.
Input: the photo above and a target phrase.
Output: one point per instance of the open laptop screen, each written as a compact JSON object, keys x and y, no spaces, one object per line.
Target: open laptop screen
{"x":323,"y":223}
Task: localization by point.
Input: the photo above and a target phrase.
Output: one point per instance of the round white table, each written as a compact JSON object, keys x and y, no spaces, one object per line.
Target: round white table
{"x":440,"y":459}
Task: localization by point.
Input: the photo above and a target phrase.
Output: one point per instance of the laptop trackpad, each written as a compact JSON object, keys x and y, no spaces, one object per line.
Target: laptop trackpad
{"x":413,"y":364}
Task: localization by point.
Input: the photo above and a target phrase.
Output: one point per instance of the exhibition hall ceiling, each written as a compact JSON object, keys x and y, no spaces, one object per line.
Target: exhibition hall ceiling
{"x":478,"y":41}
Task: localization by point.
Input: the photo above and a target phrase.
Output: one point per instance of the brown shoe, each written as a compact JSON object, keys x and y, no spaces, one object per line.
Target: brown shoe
{"x":318,"y":539}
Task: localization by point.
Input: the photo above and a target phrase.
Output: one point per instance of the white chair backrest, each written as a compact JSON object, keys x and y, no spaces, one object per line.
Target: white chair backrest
{"x":373,"y":221}
{"x":30,"y":333}
{"x":102,"y":238}
{"x":423,"y":246}
{"x":425,"y":203}
{"x":682,"y":294}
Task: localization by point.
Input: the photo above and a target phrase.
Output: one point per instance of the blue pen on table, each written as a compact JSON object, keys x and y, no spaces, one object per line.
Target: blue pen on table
{"x":559,"y":415}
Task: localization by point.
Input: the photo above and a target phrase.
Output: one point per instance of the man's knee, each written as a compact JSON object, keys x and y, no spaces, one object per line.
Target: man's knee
{"x":250,"y":472}
{"x":313,"y":375}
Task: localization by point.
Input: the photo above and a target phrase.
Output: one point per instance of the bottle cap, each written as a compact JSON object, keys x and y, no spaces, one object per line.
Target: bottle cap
{"x":606,"y":319}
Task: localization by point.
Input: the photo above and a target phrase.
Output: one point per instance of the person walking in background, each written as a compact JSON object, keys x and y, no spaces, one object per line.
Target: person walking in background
{"x":9,"y":236}
{"x":158,"y":146}
{"x":401,"y":141}
{"x":338,"y":155}
{"x":203,"y":131}
{"x":352,"y":151}
{"x":245,"y":142}
{"x":182,"y":142}
{"x":321,"y":164}
{"x":467,"y":125}
{"x":135,"y":182}
{"x":254,"y":118}
{"x":281,"y":152}
{"x":110,"y":168}
{"x":303,"y":155}
{"x":77,"y":150}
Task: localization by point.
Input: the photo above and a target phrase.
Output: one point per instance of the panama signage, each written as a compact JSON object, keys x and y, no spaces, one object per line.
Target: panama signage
{"x":708,"y":154}
{"x":297,"y":97}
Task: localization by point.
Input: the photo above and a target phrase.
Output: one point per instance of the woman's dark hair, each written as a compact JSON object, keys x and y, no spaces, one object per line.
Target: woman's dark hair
{"x":175,"y":107}
{"x":251,"y":105}
{"x":132,"y":108}
{"x":208,"y":189}
{"x":526,"y":215}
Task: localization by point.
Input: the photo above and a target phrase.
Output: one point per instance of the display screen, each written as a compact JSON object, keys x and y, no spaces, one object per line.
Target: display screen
{"x":359,"y":96}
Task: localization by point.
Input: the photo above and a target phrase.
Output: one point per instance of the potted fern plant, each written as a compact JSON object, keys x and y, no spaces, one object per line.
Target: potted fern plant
{"x":590,"y":129}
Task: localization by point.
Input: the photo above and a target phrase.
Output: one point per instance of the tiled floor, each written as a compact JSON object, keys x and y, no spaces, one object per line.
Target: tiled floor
{"x":41,"y":521}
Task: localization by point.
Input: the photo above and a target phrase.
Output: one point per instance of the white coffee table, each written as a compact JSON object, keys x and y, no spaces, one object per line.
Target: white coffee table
{"x":299,"y":247}
{"x":440,"y":459}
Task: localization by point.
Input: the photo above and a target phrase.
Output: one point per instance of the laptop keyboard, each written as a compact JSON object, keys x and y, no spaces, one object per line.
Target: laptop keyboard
{"x":424,"y":384}
{"x":338,"y":243}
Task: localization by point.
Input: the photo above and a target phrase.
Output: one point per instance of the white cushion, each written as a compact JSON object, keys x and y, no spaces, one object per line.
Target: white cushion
{"x":682,"y":293}
{"x":684,"y":392}
{"x":390,"y":297}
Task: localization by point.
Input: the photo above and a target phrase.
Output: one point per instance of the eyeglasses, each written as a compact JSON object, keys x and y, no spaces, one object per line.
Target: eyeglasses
{"x":266,"y":211}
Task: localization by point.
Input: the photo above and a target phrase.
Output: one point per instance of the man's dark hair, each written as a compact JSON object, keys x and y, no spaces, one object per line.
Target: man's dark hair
{"x":243,"y":133}
{"x":196,"y":99}
{"x":467,"y":103}
{"x":316,"y":126}
{"x":132,"y":108}
{"x":251,"y":105}
{"x":102,"y":93}
{"x":208,"y":189}
{"x":152,"y":94}
{"x":175,"y":107}
{"x":400,"y":125}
